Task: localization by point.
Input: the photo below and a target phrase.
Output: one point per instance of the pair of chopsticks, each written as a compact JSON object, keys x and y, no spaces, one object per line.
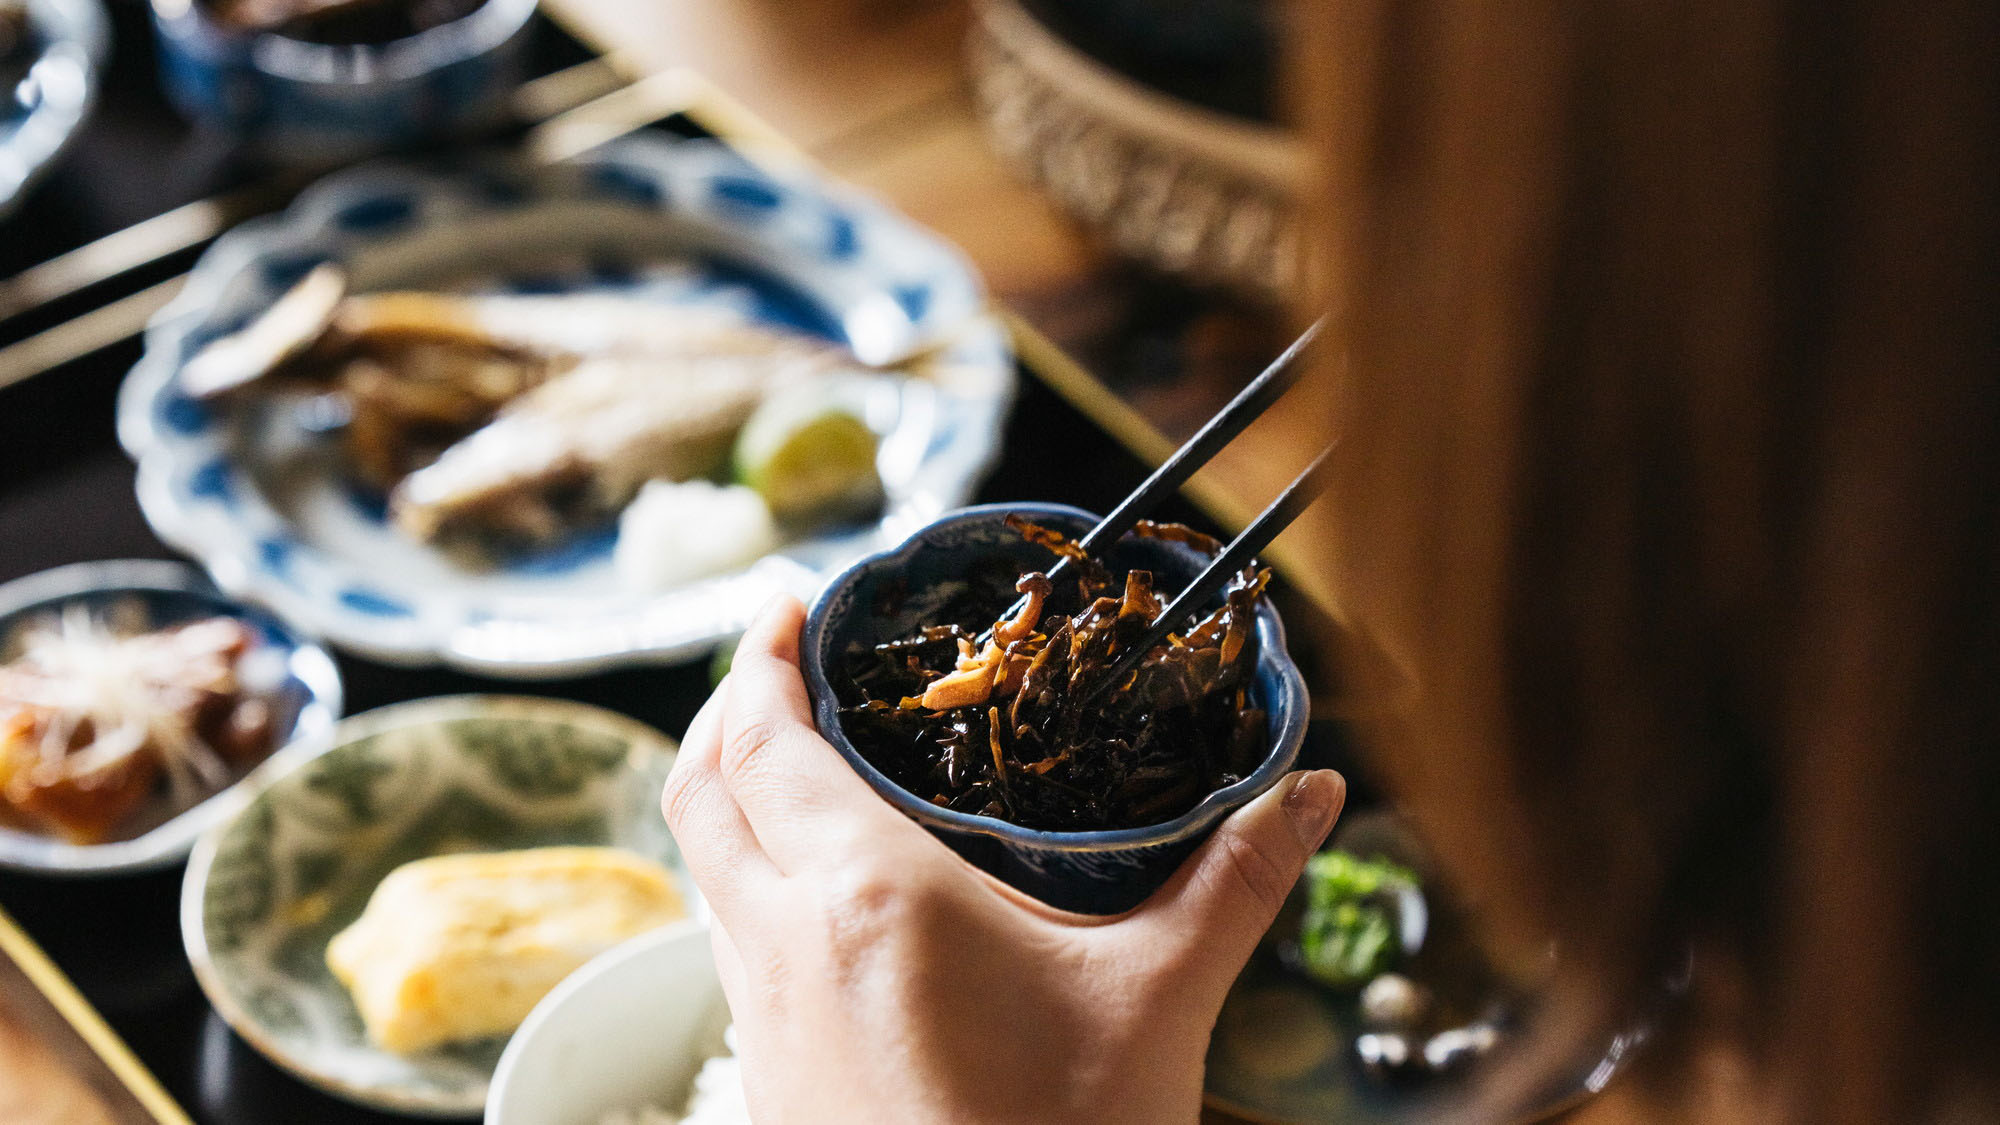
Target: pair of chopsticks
{"x":1249,"y":404}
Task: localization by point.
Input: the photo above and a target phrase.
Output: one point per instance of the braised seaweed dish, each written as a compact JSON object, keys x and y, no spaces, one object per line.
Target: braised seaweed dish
{"x":1018,"y":719}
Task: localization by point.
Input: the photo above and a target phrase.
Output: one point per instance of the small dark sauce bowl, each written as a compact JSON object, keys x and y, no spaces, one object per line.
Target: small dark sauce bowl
{"x":1106,"y":872}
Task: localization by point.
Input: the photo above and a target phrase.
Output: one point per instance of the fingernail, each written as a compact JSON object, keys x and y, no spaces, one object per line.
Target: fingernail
{"x":1312,"y":804}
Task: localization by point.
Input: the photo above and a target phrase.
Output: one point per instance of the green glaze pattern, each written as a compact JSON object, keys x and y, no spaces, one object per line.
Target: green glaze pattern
{"x":536,"y":761}
{"x":267,"y":890}
{"x":350,"y":775}
{"x":239,"y":894}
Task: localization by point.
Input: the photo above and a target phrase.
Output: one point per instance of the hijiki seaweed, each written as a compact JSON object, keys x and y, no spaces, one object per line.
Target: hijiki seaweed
{"x":1021,"y":726}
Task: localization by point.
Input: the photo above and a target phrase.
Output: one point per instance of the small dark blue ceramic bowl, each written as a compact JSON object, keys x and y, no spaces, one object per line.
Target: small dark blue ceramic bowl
{"x":1090,"y":872}
{"x":317,"y":103}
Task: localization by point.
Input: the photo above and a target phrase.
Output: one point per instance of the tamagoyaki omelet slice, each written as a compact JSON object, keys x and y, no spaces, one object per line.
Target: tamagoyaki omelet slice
{"x":461,"y":947}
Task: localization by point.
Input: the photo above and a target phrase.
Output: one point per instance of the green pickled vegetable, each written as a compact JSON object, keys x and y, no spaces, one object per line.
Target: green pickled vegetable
{"x":1350,"y":932}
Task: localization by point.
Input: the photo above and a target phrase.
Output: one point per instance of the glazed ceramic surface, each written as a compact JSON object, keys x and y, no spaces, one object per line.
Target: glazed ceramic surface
{"x":38,"y":118}
{"x":1094,"y":872}
{"x":316,"y":102}
{"x":629,"y":1029}
{"x":261,"y":498}
{"x":309,"y":842}
{"x":297,"y":676}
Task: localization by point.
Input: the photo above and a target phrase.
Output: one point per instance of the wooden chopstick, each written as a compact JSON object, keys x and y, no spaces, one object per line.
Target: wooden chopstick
{"x":93,"y":331}
{"x":192,"y":224}
{"x":140,"y":244}
{"x":127,"y":316}
{"x":1297,"y":496}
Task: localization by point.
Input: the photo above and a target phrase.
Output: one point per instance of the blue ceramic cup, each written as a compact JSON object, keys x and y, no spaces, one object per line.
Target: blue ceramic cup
{"x":318,"y":103}
{"x":1104,"y":872}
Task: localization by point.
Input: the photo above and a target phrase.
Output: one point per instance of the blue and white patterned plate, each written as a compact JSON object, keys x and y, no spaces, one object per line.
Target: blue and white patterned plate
{"x":257,"y":498}
{"x":39,"y":117}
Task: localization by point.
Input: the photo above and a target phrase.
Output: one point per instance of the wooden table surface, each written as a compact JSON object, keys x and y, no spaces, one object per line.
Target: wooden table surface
{"x":59,"y":1063}
{"x":877,"y":92}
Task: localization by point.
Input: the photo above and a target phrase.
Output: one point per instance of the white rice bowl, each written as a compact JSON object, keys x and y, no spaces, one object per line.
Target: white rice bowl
{"x":624,"y":1035}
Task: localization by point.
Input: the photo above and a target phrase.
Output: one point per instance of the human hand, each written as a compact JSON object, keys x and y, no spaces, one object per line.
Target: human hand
{"x":875,"y":976}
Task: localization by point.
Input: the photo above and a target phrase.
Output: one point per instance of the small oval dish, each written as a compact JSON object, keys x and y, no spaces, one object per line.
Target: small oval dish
{"x":318,"y":103}
{"x":1091,"y":872}
{"x":258,"y":495}
{"x":295,"y":677}
{"x":628,"y":1031}
{"x":1290,"y":1048}
{"x":309,"y":841}
{"x":66,"y":40}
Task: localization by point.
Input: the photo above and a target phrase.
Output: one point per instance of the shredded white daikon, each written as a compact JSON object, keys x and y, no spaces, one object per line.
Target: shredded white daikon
{"x":676,"y":533}
{"x":135,"y":691}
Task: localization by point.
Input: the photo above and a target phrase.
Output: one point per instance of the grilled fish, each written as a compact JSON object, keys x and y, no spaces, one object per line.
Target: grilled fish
{"x":510,"y":419}
{"x":579,"y":447}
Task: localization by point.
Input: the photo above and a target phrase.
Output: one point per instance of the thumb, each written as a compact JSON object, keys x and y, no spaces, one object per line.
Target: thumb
{"x":1216,"y":908}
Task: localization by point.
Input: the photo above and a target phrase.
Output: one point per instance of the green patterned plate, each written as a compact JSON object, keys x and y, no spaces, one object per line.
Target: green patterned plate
{"x":297,"y":858}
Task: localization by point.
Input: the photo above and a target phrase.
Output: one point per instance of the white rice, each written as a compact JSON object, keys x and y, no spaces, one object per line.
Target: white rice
{"x":717,"y":1097}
